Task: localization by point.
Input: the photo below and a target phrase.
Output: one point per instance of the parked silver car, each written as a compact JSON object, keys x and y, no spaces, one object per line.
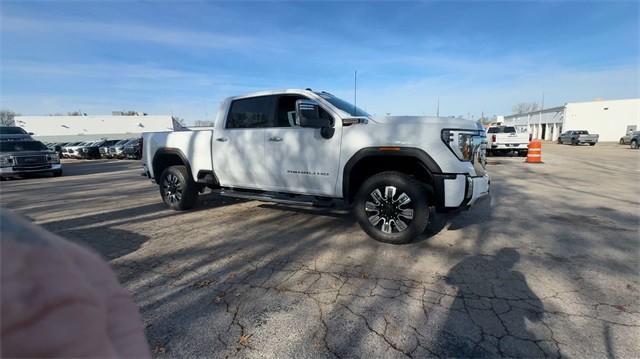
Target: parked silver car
{"x":578,"y":137}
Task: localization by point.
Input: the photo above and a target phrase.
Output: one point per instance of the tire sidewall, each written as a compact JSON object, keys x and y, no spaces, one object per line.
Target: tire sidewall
{"x":189,"y":191}
{"x":403,"y":183}
{"x":634,"y":144}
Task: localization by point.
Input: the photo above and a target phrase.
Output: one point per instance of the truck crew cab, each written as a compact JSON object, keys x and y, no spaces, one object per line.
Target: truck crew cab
{"x":306,"y":147}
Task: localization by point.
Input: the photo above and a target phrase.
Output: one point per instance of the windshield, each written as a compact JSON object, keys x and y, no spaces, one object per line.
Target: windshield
{"x":342,"y":104}
{"x":508,"y":129}
{"x":582,"y":132}
{"x":15,"y":146}
{"x":5,"y":130}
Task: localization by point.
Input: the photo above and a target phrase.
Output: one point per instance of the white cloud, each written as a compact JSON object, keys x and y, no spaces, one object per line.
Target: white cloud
{"x":165,"y":35}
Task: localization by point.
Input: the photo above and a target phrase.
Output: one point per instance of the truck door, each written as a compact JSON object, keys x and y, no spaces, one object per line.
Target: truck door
{"x":238,"y":143}
{"x":300,"y":160}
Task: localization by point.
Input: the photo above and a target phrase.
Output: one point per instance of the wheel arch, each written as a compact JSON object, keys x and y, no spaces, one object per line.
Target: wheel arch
{"x":166,"y":157}
{"x":408,"y":160}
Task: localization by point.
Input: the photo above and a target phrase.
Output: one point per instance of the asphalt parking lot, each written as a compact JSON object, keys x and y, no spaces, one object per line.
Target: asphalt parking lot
{"x":547,"y":266}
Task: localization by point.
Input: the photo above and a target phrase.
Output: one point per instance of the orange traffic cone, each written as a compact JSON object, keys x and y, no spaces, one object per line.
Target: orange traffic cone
{"x":534,"y":152}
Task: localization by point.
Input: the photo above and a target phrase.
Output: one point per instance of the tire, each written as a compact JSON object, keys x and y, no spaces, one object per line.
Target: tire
{"x":57,"y":173}
{"x":409,"y":219}
{"x":178,"y":191}
{"x":621,"y":141}
{"x":592,"y":144}
{"x":523,"y":153}
{"x":559,"y":141}
{"x":634,"y":144}
{"x":574,"y":142}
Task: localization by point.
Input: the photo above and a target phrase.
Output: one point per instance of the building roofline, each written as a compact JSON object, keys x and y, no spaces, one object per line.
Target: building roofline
{"x":536,"y":112}
{"x":603,"y":100}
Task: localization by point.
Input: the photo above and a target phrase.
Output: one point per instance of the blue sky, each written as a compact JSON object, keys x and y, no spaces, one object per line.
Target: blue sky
{"x":183,"y":58}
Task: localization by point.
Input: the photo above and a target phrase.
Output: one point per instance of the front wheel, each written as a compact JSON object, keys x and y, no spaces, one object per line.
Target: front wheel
{"x":392,"y":207}
{"x":634,"y":144}
{"x":177,"y":189}
{"x":621,"y":141}
{"x":57,"y":173}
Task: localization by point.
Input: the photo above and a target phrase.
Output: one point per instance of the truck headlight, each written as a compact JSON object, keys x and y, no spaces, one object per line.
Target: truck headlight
{"x":53,"y":158}
{"x":460,"y":142}
{"x":6,"y":161}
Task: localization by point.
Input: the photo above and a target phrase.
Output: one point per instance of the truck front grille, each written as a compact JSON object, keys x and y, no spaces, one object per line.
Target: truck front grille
{"x":31,"y":160}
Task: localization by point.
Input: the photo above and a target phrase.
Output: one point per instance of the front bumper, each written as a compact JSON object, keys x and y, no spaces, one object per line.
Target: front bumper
{"x":510,"y":146}
{"x":480,"y":187}
{"x":463,"y":190}
{"x":12,"y":171}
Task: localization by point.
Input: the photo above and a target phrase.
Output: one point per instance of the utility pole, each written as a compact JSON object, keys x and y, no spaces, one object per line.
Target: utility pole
{"x":438,"y":108}
{"x":540,"y":119}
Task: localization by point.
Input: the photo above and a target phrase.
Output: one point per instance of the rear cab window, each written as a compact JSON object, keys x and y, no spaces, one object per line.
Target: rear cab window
{"x":507,"y":129}
{"x":253,"y":112}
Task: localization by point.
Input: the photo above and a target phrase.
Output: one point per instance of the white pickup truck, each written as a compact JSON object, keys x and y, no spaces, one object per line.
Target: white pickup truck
{"x":506,"y":139}
{"x":311,"y":148}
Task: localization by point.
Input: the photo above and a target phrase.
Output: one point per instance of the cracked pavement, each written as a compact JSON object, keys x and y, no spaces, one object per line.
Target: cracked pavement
{"x":548,"y":266}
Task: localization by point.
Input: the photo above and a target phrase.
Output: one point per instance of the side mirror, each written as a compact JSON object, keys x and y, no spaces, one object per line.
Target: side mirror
{"x":308,"y":115}
{"x":31,"y":133}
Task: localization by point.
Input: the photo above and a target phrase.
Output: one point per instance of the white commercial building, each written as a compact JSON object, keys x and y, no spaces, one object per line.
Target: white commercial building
{"x":88,"y":128}
{"x":611,"y":119}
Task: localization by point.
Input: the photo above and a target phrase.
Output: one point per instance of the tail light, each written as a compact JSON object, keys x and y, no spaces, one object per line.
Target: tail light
{"x":530,"y":137}
{"x":493,"y":138}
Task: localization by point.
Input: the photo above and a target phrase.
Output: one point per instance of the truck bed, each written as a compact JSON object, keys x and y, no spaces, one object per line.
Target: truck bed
{"x":188,"y":143}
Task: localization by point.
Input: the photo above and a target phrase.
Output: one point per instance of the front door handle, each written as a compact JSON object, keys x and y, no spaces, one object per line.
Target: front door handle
{"x":222,"y":139}
{"x":275,"y":139}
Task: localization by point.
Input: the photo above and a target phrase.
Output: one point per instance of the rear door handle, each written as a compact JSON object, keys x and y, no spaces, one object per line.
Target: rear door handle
{"x":275,"y":139}
{"x":222,"y":139}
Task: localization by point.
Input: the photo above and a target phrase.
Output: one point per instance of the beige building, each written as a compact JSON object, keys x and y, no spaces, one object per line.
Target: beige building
{"x":88,"y":128}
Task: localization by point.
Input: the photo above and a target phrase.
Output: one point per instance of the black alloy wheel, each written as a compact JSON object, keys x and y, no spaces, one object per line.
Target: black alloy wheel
{"x":177,"y":189}
{"x":392,"y":207}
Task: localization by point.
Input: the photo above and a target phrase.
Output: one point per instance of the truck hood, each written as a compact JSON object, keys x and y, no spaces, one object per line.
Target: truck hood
{"x":444,"y":122}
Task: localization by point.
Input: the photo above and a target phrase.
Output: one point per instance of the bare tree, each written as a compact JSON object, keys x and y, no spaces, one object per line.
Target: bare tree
{"x":525,"y":107}
{"x":7,"y":118}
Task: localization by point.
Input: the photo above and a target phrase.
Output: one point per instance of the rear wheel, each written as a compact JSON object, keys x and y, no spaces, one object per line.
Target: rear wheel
{"x":177,"y":189}
{"x":57,"y":173}
{"x":634,"y":144}
{"x":392,"y":207}
{"x":622,"y":141}
{"x":592,"y":144}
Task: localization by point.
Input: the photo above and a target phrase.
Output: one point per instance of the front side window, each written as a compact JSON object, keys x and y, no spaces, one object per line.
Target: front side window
{"x":254,"y":112}
{"x":342,"y":104}
{"x":286,"y":111}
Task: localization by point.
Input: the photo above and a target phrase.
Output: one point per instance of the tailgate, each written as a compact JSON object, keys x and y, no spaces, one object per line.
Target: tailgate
{"x":588,"y":137}
{"x":511,"y":138}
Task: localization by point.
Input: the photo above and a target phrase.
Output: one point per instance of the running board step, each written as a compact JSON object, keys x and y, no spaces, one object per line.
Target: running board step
{"x":265,"y":197}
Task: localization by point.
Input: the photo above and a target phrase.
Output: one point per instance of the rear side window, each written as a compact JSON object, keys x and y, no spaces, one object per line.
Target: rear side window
{"x":255,"y":112}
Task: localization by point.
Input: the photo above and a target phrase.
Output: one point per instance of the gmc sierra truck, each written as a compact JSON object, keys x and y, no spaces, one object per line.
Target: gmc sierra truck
{"x":304,"y":147}
{"x":506,"y":139}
